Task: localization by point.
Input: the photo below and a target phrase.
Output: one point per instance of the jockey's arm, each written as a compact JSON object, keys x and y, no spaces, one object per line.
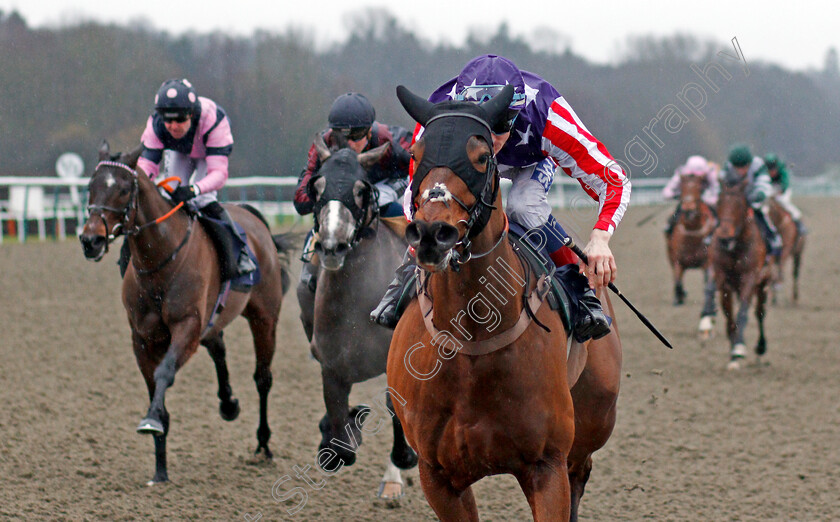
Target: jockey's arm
{"x":580,"y":155}
{"x":217,"y":174}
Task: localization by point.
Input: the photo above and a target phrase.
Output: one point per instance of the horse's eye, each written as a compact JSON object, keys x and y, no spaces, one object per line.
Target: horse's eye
{"x":124,"y":192}
{"x":484,"y":159}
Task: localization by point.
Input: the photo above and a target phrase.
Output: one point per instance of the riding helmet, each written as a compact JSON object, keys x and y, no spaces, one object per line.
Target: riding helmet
{"x":771,"y":160}
{"x":487,"y":71}
{"x":740,"y":156}
{"x":351,"y":111}
{"x":175,"y":98}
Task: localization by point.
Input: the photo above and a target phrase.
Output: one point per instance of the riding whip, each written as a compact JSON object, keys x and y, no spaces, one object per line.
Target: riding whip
{"x":569,"y":242}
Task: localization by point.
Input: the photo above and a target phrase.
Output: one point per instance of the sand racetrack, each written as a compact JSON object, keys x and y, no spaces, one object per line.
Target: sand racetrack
{"x":693,"y":441}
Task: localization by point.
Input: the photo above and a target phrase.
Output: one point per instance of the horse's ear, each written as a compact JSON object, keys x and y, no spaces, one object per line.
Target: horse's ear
{"x":498,"y":104}
{"x":130,"y":158}
{"x":104,"y":151}
{"x":418,"y":108}
{"x":370,"y":158}
{"x":321,"y":147}
{"x":362,"y":191}
{"x":316,"y":187}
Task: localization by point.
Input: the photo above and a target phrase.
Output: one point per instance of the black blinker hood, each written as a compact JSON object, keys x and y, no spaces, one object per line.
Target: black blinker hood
{"x":448,"y":127}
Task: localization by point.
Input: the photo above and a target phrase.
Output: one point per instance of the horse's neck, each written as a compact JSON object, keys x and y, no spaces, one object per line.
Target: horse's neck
{"x":158,"y":240}
{"x":485,"y":296}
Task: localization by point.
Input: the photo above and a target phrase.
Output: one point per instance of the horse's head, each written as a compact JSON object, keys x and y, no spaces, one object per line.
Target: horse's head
{"x":455,"y":182}
{"x":691,"y":190}
{"x":112,"y":194}
{"x":345,"y":202}
{"x":732,"y":211}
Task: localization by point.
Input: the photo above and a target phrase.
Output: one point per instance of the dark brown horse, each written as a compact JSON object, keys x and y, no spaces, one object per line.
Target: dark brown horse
{"x":688,"y":248}
{"x":738,"y":256}
{"x":793,"y":245}
{"x":171,"y":288}
{"x":485,"y":389}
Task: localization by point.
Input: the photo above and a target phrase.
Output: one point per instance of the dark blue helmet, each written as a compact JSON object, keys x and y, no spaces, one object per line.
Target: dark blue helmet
{"x":351,"y":114}
{"x":176,"y":98}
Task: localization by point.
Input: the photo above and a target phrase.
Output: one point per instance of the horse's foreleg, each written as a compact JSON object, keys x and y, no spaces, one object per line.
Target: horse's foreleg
{"x":709,"y":311}
{"x":578,"y":477}
{"x":147,"y":363}
{"x":339,"y":432}
{"x":263,"y":330}
{"x":402,"y":457}
{"x":760,"y":312}
{"x":448,"y":503}
{"x":797,"y":258}
{"x":546,"y":486}
{"x":679,"y":291}
{"x":228,"y":404}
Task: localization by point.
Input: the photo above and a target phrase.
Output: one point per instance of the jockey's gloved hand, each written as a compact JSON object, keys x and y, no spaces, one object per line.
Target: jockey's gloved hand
{"x":184,"y":193}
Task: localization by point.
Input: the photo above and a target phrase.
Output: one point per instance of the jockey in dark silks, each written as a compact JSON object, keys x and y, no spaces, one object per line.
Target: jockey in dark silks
{"x":780,"y":179}
{"x":541,"y":134}
{"x":196,"y":133}
{"x":743,"y":164}
{"x":353,"y":124}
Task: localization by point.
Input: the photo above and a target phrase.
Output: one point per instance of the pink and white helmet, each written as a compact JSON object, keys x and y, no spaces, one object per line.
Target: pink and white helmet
{"x":696,"y":165}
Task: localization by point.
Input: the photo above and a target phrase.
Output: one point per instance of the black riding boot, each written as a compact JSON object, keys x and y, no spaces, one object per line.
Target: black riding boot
{"x":309,"y":276}
{"x":588,"y":318}
{"x":399,"y":293}
{"x":243,"y":263}
{"x":771,"y":236}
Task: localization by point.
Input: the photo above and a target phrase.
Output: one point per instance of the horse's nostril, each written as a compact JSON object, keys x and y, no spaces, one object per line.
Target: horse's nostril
{"x":412,"y":234}
{"x":446,"y":236}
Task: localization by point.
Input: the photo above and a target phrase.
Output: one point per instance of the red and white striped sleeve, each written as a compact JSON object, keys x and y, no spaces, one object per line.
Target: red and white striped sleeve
{"x":583,"y":157}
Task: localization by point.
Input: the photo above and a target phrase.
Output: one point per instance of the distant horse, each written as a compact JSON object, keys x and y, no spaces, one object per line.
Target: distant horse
{"x":171,"y":288}
{"x":485,"y":381}
{"x":738,"y":256}
{"x":357,"y":256}
{"x":793,"y":245}
{"x":687,"y":246}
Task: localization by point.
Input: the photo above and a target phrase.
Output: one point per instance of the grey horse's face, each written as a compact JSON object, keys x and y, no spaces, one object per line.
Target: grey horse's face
{"x":338,"y":226}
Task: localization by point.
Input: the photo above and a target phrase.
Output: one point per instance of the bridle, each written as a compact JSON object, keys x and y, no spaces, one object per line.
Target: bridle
{"x":478,"y":215}
{"x":129,"y":213}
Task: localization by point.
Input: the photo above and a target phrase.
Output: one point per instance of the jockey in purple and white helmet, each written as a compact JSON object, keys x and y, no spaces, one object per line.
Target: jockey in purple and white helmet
{"x":541,"y":134}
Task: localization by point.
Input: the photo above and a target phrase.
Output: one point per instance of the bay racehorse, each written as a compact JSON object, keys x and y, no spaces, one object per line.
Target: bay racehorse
{"x":484,"y":381}
{"x":172,"y":285}
{"x":739,"y":259}
{"x":688,"y":246}
{"x":357,"y":255}
{"x":793,"y":245}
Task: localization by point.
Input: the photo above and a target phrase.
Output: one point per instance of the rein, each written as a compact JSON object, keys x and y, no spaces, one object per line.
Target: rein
{"x":122,"y":226}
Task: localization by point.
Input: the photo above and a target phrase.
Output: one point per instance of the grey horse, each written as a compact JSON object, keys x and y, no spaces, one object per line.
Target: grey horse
{"x":357,"y":255}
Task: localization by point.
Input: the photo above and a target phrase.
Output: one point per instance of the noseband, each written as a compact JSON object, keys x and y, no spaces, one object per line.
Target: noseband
{"x":122,"y":225}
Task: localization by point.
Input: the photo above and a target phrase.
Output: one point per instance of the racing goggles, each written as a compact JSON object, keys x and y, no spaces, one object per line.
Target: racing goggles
{"x":482,"y":93}
{"x":177,"y":117}
{"x":354,"y":133}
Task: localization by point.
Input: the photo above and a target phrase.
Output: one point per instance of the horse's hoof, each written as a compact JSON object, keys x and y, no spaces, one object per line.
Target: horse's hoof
{"x":229,"y":410}
{"x":158,"y":480}
{"x":150,"y":426}
{"x":733,"y":365}
{"x":265,"y":451}
{"x":390,"y":490}
{"x":706,"y":325}
{"x":738,"y":351}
